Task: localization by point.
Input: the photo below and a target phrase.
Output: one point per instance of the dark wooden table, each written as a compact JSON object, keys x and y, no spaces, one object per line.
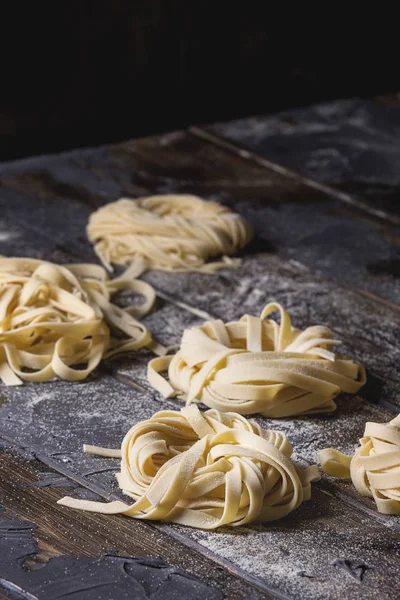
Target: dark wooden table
{"x":321,"y":186}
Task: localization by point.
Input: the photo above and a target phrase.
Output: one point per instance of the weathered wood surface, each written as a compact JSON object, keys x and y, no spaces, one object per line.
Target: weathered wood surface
{"x":335,"y":239}
{"x":45,"y":204}
{"x":78,"y":543}
{"x":349,"y":144}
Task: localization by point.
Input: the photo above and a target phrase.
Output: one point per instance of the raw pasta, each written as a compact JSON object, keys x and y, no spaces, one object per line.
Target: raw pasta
{"x":170,"y":232}
{"x":205,"y":470}
{"x":255,"y":365}
{"x":375,"y":466}
{"x":53,"y":318}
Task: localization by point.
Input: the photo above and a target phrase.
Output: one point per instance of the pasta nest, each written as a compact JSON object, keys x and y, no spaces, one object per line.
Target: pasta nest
{"x":205,"y":470}
{"x":167,"y":232}
{"x":53,"y":318}
{"x":375,"y":466}
{"x":256,"y":365}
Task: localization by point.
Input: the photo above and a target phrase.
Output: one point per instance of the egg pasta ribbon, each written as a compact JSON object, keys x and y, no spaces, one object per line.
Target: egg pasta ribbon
{"x":375,"y":467}
{"x":171,"y":232}
{"x":256,"y":365}
{"x":56,"y":317}
{"x":204,"y":470}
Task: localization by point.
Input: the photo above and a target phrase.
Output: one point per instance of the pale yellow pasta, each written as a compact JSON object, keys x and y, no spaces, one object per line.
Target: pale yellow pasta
{"x":53,"y":318}
{"x":205,"y":470}
{"x":375,"y":466}
{"x":256,"y":365}
{"x":167,"y":232}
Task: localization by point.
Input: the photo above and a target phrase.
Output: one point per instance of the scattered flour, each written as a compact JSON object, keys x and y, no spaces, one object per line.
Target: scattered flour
{"x":7,"y":235}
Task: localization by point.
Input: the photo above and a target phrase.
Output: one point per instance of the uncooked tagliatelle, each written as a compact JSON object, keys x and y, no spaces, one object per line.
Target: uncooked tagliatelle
{"x":54,"y":318}
{"x":204,"y":470}
{"x":169,"y":232}
{"x":375,"y":466}
{"x":255,"y":365}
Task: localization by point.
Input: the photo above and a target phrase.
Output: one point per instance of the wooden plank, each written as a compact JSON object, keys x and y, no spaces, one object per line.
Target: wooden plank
{"x":352,"y":145}
{"x":299,"y":289}
{"x":368,"y":329}
{"x":285,"y":282}
{"x":182,"y":162}
{"x":104,"y":410}
{"x":291,"y":218}
{"x":106,"y":551}
{"x":44,"y":437}
{"x":325,"y":548}
{"x":261,"y":278}
{"x":39,"y":417}
{"x":92,"y":426}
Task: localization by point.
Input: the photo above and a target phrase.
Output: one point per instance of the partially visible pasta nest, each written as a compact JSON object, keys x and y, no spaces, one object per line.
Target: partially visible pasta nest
{"x":256,"y":365}
{"x":54,"y":318}
{"x":205,"y":470}
{"x":167,"y":232}
{"x":375,"y":467}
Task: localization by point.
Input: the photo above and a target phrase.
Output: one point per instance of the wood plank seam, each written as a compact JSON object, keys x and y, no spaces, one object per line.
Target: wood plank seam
{"x":182,"y":305}
{"x":249,"y":155}
{"x":81,"y":255}
{"x":252,"y":157}
{"x":164,"y":528}
{"x":44,"y":500}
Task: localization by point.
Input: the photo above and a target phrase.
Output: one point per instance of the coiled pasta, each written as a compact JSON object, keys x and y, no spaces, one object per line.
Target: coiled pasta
{"x":255,"y":365}
{"x":375,"y":467}
{"x":54,"y":318}
{"x":205,"y":470}
{"x":167,"y":232}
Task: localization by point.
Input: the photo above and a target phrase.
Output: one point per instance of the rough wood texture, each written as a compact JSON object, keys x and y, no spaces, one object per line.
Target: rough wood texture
{"x":291,"y":217}
{"x":29,"y":491}
{"x":46,"y":426}
{"x":336,"y":545}
{"x":349,"y":144}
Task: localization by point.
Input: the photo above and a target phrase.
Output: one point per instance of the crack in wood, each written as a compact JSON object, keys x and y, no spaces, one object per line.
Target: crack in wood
{"x":249,"y":155}
{"x":354,"y":568}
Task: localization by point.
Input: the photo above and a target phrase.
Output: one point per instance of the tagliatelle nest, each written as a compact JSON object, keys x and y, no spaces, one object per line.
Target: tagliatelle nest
{"x":256,"y":365}
{"x":54,"y":318}
{"x":170,"y":233}
{"x":375,"y":466}
{"x":204,"y":470}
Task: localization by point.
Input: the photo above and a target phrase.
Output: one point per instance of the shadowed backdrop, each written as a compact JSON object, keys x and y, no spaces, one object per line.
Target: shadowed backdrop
{"x":86,"y":73}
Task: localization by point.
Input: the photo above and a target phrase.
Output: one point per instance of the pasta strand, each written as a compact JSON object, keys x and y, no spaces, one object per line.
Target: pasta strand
{"x":167,"y":232}
{"x":205,"y":470}
{"x":255,"y":365}
{"x":375,"y":467}
{"x":53,"y":318}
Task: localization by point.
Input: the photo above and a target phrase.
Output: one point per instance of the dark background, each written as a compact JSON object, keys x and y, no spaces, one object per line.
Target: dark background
{"x":86,"y":73}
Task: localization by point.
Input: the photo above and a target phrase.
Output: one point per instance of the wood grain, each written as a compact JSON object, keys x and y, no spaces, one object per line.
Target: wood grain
{"x":351,"y":145}
{"x":39,"y":417}
{"x":295,"y":259}
{"x":292,"y":218}
{"x":72,"y":533}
